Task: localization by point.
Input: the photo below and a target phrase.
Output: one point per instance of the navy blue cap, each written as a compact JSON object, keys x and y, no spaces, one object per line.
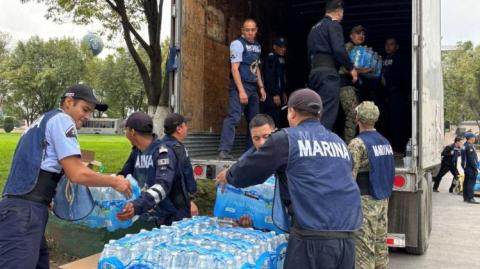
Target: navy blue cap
{"x":280,"y":41}
{"x":470,"y":135}
{"x":172,"y":121}
{"x":140,"y":122}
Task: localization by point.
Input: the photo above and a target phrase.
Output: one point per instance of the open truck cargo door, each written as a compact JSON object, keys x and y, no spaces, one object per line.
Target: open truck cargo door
{"x":430,"y":85}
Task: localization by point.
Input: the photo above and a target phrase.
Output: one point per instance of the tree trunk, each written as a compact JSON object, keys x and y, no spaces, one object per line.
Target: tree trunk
{"x":158,"y":114}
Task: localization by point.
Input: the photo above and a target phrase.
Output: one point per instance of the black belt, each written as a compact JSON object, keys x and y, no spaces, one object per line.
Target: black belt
{"x":44,"y":190}
{"x":323,"y":60}
{"x":313,"y":234}
{"x":323,"y":235}
{"x":32,"y":198}
{"x":363,"y":182}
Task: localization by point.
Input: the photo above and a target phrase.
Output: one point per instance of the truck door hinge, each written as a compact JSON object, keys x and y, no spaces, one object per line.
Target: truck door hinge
{"x":174,"y":11}
{"x":416,"y":40}
{"x":415,"y":95}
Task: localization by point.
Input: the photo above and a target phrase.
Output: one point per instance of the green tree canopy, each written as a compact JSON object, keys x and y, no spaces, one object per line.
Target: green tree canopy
{"x":461,"y":73}
{"x":38,"y":72}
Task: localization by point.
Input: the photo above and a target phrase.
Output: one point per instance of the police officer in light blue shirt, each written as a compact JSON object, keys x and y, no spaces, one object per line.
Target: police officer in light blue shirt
{"x":316,"y":198}
{"x":48,"y":149}
{"x":244,"y":80}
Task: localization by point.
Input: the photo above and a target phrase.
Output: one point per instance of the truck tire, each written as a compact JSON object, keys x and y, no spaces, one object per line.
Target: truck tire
{"x":424,"y":218}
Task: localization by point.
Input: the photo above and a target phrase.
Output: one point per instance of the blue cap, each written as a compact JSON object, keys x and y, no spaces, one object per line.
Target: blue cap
{"x":280,"y":41}
{"x":470,"y":135}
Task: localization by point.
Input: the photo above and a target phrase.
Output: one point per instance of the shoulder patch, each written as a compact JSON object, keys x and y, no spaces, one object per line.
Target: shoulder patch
{"x":162,"y":149}
{"x":163,"y":162}
{"x":71,"y":132}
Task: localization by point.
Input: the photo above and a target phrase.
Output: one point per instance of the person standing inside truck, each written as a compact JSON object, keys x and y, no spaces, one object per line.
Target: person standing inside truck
{"x":349,"y":98}
{"x":374,"y":171}
{"x":450,"y":156}
{"x":245,"y":86}
{"x":275,"y":80}
{"x":326,"y":52}
{"x":313,"y":168}
{"x":395,"y":87}
{"x":48,"y":149}
{"x":163,"y":170}
{"x":469,"y":164}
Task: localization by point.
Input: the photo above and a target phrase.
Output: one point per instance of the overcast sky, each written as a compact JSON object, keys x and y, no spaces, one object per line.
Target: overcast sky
{"x":460,"y":22}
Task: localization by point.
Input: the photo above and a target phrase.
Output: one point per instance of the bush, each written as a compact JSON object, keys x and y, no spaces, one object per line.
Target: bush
{"x":8,"y":124}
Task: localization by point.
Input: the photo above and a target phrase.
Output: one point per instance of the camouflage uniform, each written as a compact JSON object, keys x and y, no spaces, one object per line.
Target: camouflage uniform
{"x":371,"y":249}
{"x":349,"y":101}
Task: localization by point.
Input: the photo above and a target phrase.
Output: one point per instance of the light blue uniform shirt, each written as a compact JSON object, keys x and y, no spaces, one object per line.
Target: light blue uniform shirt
{"x":61,"y":137}
{"x":236,"y":52}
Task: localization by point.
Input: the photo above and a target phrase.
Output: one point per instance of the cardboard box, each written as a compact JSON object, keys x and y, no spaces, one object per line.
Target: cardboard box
{"x":89,"y":262}
{"x":88,"y":158}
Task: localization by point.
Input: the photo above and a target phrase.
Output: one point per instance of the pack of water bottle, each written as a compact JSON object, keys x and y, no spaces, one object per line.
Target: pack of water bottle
{"x":255,"y":201}
{"x":108,"y":203}
{"x":200,"y":242}
{"x":365,"y":57}
{"x":476,"y":187}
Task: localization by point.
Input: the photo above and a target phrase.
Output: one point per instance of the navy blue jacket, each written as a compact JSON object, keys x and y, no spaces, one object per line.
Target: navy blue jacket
{"x":326,"y":37}
{"x":394,"y":73}
{"x":152,"y":168}
{"x":450,"y":155}
{"x":274,"y":156}
{"x":469,"y":157}
{"x":274,"y":75}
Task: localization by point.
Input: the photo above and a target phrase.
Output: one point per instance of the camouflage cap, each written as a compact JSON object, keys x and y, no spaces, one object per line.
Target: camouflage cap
{"x":367,"y":112}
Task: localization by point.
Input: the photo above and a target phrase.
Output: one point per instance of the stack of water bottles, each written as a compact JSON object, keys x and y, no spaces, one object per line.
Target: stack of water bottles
{"x":365,"y":57}
{"x":255,"y":201}
{"x":200,"y":242}
{"x":108,"y":203}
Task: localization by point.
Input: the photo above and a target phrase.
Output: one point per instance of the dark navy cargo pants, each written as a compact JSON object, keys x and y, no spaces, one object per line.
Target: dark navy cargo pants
{"x":22,"y":240}
{"x":306,"y":253}
{"x":326,"y":82}
{"x":234,"y":116}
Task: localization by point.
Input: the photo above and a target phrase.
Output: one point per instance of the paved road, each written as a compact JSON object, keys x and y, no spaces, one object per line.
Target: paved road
{"x":455,"y":238}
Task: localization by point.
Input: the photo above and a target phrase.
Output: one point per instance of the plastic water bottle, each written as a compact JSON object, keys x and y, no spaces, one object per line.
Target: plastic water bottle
{"x":408,"y":150}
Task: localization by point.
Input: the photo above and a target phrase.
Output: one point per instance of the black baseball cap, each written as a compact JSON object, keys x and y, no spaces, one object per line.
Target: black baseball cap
{"x":172,"y":121}
{"x":280,"y":41}
{"x":306,"y":100}
{"x":140,"y":122}
{"x":84,"y":93}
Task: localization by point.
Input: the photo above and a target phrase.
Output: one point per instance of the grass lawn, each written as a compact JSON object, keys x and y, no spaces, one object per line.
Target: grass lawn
{"x":111,"y":150}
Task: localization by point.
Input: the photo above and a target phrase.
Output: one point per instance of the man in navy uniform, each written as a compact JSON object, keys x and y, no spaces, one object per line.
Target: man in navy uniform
{"x":469,"y":164}
{"x":374,"y":171}
{"x":48,"y":149}
{"x":326,"y":52}
{"x":450,"y":156}
{"x":163,"y":170}
{"x":275,"y":79}
{"x":245,"y":85}
{"x":315,"y":186}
